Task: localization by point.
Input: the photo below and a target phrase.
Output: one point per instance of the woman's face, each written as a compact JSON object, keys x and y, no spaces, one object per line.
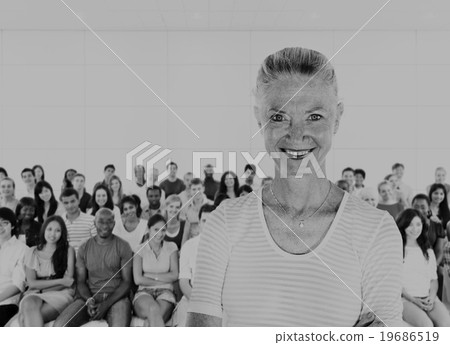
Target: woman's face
{"x":45,"y":195}
{"x":393,"y":180}
{"x":295,"y":128}
{"x":157,"y":232}
{"x":172,"y":209}
{"x":52,"y":232}
{"x":229,"y":180}
{"x":7,"y":188}
{"x":414,"y":229}
{"x":70,"y":174}
{"x":27,"y":212}
{"x":38,"y":174}
{"x":437,"y":196}
{"x":386,"y":192}
{"x":129,"y":210}
{"x":101,"y":197}
{"x":115,"y":185}
{"x":439,"y":176}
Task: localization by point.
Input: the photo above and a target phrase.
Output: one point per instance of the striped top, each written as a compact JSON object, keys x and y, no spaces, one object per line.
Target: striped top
{"x":243,"y":277}
{"x":80,"y":230}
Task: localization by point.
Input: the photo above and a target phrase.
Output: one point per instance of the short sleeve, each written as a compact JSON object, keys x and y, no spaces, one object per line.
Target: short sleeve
{"x":382,"y":272}
{"x":432,"y":265}
{"x":212,"y":261}
{"x":185,"y":256}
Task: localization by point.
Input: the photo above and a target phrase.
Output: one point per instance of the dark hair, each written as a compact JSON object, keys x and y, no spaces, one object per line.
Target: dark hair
{"x":360,"y":172}
{"x":37,"y":166}
{"x":109,"y":202}
{"x":66,"y":182}
{"x":219,"y":198}
{"x":398,"y":165}
{"x":109,"y":166}
{"x":244,"y":188}
{"x":206,"y":208}
{"x":133,"y":200}
{"x":444,"y":211}
{"x":59,"y":257}
{"x":196,"y":181}
{"x":343,"y":184}
{"x":7,"y":214}
{"x":404,"y":219}
{"x":27,"y":170}
{"x":252,"y":167}
{"x":69,"y":192}
{"x":421,"y":197}
{"x":80,"y":175}
{"x":26,"y":202}
{"x":3,"y":170}
{"x":348,"y":169}
{"x":172,"y":163}
{"x":222,"y":186}
{"x":154,"y":187}
{"x":41,"y":204}
{"x":388,"y":176}
{"x":156,"y":218}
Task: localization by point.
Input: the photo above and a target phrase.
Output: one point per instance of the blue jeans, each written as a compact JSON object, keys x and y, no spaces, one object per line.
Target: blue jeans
{"x":76,"y":315}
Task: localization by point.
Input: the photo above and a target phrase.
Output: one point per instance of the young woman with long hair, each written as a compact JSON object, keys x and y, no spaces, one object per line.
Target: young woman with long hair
{"x":101,"y":197}
{"x":50,"y":272}
{"x":46,"y":203}
{"x":229,"y":185}
{"x":439,"y":205}
{"x":116,"y":190}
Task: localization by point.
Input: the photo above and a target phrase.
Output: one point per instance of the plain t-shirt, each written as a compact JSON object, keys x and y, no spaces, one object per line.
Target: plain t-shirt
{"x":134,"y":237}
{"x":418,"y":272}
{"x":170,"y":188}
{"x":102,"y":262}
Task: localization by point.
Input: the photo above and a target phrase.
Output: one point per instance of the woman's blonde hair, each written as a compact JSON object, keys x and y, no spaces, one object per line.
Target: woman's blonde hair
{"x":171,"y":199}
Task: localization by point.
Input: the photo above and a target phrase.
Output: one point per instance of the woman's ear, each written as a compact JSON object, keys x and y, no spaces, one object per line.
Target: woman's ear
{"x":339,"y":112}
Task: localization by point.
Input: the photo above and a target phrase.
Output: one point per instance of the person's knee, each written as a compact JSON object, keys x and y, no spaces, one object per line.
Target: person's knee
{"x":154,"y":309}
{"x":66,"y":316}
{"x":424,"y":322}
{"x":119,"y":315}
{"x":30,"y":304}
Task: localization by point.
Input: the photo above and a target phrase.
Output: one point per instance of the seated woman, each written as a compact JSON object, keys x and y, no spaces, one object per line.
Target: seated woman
{"x":130,"y":227}
{"x":67,"y":179}
{"x":229,"y":185}
{"x":155,"y":269}
{"x":12,"y":253}
{"x":27,"y":228}
{"x":7,"y":194}
{"x":46,"y":203}
{"x":387,"y":200}
{"x":116,"y":190}
{"x":101,"y":197}
{"x":49,"y":268}
{"x":421,"y":306}
{"x":39,"y":173}
{"x":439,"y":205}
{"x":175,"y":227}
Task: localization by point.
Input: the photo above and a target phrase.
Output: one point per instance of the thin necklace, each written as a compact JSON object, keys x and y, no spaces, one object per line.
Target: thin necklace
{"x":303,"y":220}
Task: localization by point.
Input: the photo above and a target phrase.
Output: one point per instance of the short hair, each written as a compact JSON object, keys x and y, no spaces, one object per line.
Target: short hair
{"x":109,"y":166}
{"x":421,"y":196}
{"x":206,"y":208}
{"x":154,"y":187}
{"x":196,"y":181}
{"x":245,"y":188}
{"x":172,"y":163}
{"x":398,"y":165}
{"x":360,"y":172}
{"x":26,"y":201}
{"x":80,"y":175}
{"x":27,"y":170}
{"x":440,"y":169}
{"x":252,"y":167}
{"x":104,"y":211}
{"x":343,"y":184}
{"x":388,"y":176}
{"x":133,"y":200}
{"x":68,"y":192}
{"x":3,"y":170}
{"x":348,"y":169}
{"x":8,"y":214}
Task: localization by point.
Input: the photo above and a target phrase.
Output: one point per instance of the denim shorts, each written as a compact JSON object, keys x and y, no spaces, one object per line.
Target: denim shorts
{"x":157,"y":294}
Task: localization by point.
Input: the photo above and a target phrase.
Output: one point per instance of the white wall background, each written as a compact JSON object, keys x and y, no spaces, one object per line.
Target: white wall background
{"x":67,"y":102}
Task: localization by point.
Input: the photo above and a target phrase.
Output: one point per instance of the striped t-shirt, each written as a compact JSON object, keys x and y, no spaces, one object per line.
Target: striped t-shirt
{"x":245,"y":278}
{"x":80,"y":230}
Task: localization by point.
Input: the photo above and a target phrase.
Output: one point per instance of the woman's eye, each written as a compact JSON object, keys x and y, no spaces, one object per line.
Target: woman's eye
{"x":315,"y":117}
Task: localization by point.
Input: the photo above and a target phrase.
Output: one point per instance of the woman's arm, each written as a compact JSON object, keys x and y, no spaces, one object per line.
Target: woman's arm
{"x":168,"y":277}
{"x":186,"y":288}
{"x":138,"y":277}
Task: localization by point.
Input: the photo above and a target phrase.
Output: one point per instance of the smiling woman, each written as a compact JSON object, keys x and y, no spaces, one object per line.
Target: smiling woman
{"x":300,"y":251}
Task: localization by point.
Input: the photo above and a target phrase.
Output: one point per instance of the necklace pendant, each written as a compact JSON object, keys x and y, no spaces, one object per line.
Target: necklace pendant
{"x":302,"y":224}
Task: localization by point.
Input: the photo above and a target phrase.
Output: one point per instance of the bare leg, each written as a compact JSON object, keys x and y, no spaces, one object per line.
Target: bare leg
{"x":415,"y":316}
{"x":166,"y":309}
{"x":30,"y":309}
{"x":147,"y":308}
{"x":439,"y":315}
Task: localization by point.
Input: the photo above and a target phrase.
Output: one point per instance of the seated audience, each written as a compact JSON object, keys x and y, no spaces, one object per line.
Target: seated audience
{"x":446,"y":277}
{"x":398,"y":169}
{"x":172,"y":185}
{"x":439,"y":177}
{"x":101,"y":197}
{"x":12,"y":277}
{"x":67,"y":179}
{"x":46,"y":203}
{"x":188,"y":258}
{"x":29,"y":180}
{"x":130,"y":227}
{"x":175,"y":227}
{"x":439,"y":205}
{"x":398,"y":194}
{"x":421,"y":306}
{"x":154,"y":203}
{"x":387,"y":200}
{"x":348,"y":174}
{"x":80,"y":226}
{"x":139,"y":185}
{"x":39,"y":173}
{"x":102,"y":292}
{"x":369,"y":195}
{"x":78,"y":182}
{"x":360,"y":176}
{"x":210,"y":184}
{"x":27,"y":228}
{"x":50,"y":273}
{"x":109,"y":170}
{"x":229,"y":185}
{"x":7,"y":194}
{"x":244,"y":190}
{"x":3,"y":173}
{"x":115,"y":188}
{"x":155,"y":269}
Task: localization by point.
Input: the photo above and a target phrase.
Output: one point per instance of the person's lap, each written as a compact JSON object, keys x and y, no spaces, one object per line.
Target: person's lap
{"x":417,"y":317}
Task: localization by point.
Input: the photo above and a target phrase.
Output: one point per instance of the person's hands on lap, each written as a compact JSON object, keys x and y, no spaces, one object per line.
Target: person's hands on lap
{"x":100,"y":311}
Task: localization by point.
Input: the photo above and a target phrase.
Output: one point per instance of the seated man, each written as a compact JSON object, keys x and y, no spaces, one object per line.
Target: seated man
{"x":154,"y":203}
{"x":102,"y":292}
{"x":12,"y":274}
{"x":187,"y":266}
